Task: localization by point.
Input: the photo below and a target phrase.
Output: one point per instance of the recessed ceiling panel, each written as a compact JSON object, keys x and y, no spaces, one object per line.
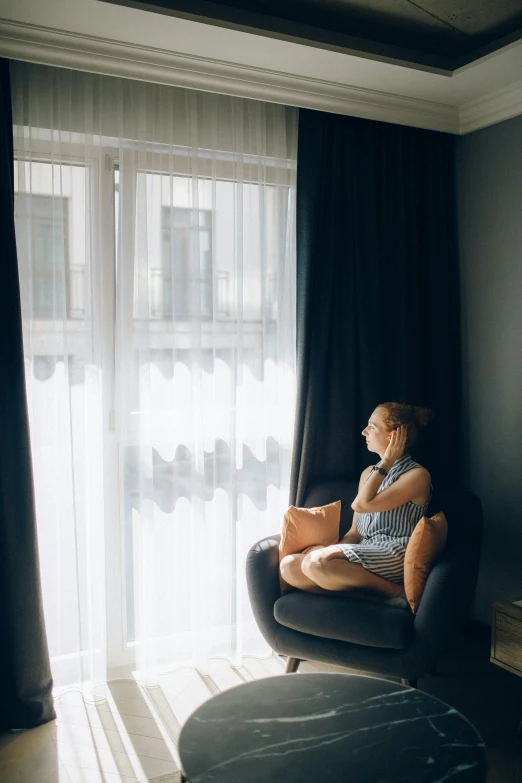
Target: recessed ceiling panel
{"x":439,"y":35}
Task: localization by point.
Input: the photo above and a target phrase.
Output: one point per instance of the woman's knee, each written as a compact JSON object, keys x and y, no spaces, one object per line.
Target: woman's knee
{"x":315,"y":562}
{"x":290,"y":568}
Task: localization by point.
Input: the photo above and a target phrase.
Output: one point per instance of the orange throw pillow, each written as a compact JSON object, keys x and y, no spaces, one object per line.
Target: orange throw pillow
{"x":424,"y":547}
{"x":307,"y":527}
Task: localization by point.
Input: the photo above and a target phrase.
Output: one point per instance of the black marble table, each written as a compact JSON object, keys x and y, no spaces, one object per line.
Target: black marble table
{"x":332,"y":728}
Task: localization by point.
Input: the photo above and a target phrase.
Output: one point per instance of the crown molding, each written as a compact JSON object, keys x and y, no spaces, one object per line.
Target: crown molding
{"x":490,"y":109}
{"x":47,"y":46}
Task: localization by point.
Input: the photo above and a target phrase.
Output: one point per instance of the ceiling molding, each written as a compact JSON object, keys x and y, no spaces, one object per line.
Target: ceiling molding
{"x":490,"y":109}
{"x":39,"y":44}
{"x":46,"y":46}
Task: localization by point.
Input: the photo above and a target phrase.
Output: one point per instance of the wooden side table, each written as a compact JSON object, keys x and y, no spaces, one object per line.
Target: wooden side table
{"x":506,"y":639}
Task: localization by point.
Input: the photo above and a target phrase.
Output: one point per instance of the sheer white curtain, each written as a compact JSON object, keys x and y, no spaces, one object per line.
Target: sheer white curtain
{"x":155,"y":235}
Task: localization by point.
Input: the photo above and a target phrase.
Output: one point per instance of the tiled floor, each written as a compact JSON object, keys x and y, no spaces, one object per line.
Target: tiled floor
{"x":132,"y":736}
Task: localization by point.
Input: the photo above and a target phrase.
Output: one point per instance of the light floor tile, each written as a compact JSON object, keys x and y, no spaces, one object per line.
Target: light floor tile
{"x":82,"y":775}
{"x":243,"y":673}
{"x":209,"y":679}
{"x":273,"y":664}
{"x":117,"y":741}
{"x":113,"y":762}
{"x":148,"y":727}
{"x":8,"y":738}
{"x":209,"y":682}
{"x":259,"y":668}
{"x":37,"y":775}
{"x":112,"y":721}
{"x":59,"y":776}
{"x":126,"y":706}
{"x":174,"y":683}
{"x":71,"y":698}
{"x":136,"y":707}
{"x":26,"y":745}
{"x":223,"y":675}
{"x":32,"y":757}
{"x":129,"y":689}
{"x":172,"y":723}
{"x":158,"y":699}
{"x":85,"y":715}
{"x":189,"y":700}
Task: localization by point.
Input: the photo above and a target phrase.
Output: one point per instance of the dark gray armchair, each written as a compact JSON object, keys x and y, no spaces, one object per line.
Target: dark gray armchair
{"x":363,"y":634}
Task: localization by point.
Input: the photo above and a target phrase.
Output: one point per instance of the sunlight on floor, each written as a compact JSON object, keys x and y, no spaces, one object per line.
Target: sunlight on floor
{"x":132,"y":735}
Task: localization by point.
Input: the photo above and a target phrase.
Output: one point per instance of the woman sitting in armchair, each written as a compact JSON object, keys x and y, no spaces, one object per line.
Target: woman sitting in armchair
{"x":392,"y":497}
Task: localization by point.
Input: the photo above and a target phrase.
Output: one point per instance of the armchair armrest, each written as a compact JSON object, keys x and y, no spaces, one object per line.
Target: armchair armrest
{"x":262,"y":572}
{"x":443,"y":608}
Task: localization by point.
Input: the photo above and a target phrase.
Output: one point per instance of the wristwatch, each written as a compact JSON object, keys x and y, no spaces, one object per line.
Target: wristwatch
{"x":382,"y":471}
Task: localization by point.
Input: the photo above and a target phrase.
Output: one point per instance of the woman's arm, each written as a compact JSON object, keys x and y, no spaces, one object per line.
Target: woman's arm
{"x":353,"y":536}
{"x":411,"y":486}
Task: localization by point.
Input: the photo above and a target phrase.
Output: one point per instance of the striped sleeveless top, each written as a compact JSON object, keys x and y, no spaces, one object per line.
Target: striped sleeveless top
{"x":385,"y":534}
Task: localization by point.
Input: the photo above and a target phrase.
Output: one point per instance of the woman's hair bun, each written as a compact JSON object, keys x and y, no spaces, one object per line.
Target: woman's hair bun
{"x":414,"y":417}
{"x":422,"y":416}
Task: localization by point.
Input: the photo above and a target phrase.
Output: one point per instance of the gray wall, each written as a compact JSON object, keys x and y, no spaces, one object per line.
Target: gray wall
{"x":489,"y":177}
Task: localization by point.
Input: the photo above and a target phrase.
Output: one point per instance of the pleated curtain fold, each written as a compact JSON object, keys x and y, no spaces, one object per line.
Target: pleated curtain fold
{"x":25,"y":675}
{"x":377,"y":292}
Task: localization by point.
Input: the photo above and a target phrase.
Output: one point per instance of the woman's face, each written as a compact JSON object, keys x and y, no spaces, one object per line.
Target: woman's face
{"x":376,"y":433}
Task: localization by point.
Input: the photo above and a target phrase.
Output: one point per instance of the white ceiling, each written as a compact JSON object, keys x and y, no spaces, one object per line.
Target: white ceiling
{"x":106,"y":38}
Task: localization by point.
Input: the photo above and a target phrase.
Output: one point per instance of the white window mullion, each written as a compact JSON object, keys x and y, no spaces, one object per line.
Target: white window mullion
{"x":122,"y":422}
{"x":117,"y":652}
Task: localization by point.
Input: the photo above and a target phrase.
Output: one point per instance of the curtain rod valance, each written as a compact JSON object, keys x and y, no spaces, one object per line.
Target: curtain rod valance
{"x":72,"y":102}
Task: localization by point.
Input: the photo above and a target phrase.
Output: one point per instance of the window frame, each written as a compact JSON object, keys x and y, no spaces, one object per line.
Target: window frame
{"x":103,"y":161}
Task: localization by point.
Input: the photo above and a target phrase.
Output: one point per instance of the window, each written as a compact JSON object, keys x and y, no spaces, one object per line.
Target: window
{"x":156,"y":381}
{"x":46,"y":250}
{"x":155,"y":229}
{"x":182,"y":288}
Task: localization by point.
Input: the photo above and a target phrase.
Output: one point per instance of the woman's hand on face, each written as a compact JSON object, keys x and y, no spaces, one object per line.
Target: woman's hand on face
{"x":396,"y":445}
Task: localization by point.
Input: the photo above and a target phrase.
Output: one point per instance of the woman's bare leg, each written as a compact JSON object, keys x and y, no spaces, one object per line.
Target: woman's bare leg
{"x":292,"y":573}
{"x":330,"y":569}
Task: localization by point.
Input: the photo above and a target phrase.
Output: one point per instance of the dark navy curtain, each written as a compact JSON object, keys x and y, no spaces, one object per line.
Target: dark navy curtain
{"x":25,"y":676}
{"x":377,"y":292}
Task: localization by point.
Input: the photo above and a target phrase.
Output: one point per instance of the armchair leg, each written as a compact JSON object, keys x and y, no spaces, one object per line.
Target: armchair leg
{"x":292,"y":665}
{"x":411,"y":683}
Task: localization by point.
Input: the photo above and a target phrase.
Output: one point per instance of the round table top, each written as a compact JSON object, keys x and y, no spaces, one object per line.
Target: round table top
{"x":296,"y":728}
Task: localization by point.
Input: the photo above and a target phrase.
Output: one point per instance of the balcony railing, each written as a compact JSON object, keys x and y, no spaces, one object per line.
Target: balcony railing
{"x":48,"y":296}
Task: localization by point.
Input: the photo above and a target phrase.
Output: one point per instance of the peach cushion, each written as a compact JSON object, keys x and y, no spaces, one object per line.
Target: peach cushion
{"x":304,"y":528}
{"x":425,"y":545}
